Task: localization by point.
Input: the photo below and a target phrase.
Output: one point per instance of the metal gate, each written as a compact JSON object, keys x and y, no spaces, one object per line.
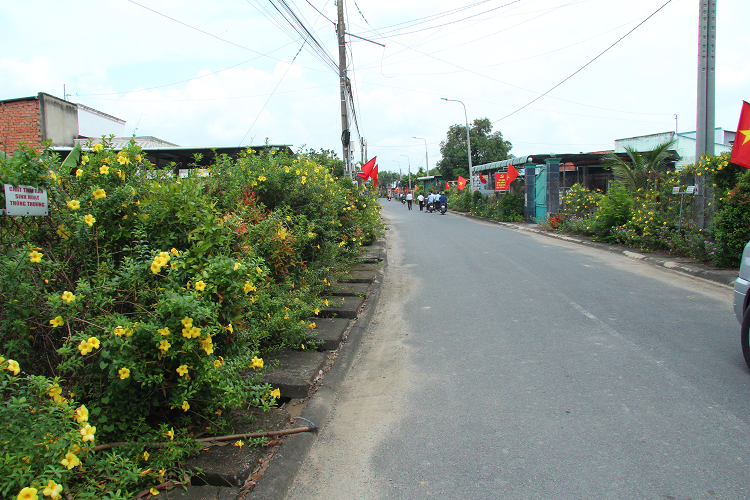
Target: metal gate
{"x":541,"y":193}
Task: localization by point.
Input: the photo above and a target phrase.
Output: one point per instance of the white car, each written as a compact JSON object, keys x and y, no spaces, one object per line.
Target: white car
{"x":742,"y":302}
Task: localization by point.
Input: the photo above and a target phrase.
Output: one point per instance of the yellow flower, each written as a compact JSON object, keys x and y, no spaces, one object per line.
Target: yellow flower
{"x":84,"y":159}
{"x":145,"y":456}
{"x":85,"y":348}
{"x":53,"y":490}
{"x":257,"y":363}
{"x":97,"y":147}
{"x":282,"y":233}
{"x":237,"y":265}
{"x":229,"y":328}
{"x":94,"y":342}
{"x":13,"y":367}
{"x":79,"y":172}
{"x":316,"y":311}
{"x":276,"y":394}
{"x":55,"y":392}
{"x":200,"y":286}
{"x":153,"y":491}
{"x":28,"y":494}
{"x":68,"y":297}
{"x":73,"y":204}
{"x":89,"y":219}
{"x":239,"y":444}
{"x":175,"y":252}
{"x":185,"y":406}
{"x":182,"y":370}
{"x":88,"y":433}
{"x":163,"y":331}
{"x":312,"y":325}
{"x":82,"y":414}
{"x":57,"y":321}
{"x":124,"y":373}
{"x":35,"y":256}
{"x":164,"y":346}
{"x":99,"y":194}
{"x":122,"y":158}
{"x":187,"y":322}
{"x":70,"y":461}
{"x":262,"y":178}
{"x":311,"y":235}
{"x":170,"y":434}
{"x":217,"y":363}
{"x":52,"y":175}
{"x":249,"y":287}
{"x":104,"y":170}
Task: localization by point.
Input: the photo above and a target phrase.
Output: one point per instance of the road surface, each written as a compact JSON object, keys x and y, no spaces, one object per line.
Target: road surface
{"x":509,"y":365}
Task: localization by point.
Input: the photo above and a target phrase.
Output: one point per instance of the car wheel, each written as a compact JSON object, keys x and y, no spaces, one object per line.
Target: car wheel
{"x":746,"y":336}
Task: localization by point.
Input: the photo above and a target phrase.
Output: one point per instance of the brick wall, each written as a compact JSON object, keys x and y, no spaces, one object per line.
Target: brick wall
{"x":20,"y":121}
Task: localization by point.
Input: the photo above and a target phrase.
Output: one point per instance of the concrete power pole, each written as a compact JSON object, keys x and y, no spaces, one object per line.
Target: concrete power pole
{"x":344,"y":83}
{"x":705,"y":126}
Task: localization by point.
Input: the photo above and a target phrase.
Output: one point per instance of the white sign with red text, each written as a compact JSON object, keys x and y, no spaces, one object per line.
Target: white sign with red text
{"x":25,"y":200}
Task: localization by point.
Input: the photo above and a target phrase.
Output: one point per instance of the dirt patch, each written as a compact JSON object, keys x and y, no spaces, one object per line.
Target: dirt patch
{"x":369,"y":401}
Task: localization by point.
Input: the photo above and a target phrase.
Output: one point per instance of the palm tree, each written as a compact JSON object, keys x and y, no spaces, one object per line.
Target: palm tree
{"x":643,"y":169}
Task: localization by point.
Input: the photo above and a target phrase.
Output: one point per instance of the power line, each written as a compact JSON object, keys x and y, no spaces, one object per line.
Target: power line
{"x":269,"y":97}
{"x":582,"y":67}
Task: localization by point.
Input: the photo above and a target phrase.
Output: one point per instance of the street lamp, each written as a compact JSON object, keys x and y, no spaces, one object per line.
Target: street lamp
{"x":426,"y":163}
{"x":468,"y":138}
{"x":409,"y":163}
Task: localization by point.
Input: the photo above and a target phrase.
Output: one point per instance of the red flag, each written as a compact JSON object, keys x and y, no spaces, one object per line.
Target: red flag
{"x":367,"y":169}
{"x":461,"y":183}
{"x":741,"y":148}
{"x":512,"y":173}
{"x":374,"y":176}
{"x":482,"y":179}
{"x":447,"y":186}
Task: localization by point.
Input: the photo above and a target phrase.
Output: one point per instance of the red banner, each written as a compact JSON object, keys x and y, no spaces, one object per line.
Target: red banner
{"x":503,"y":179}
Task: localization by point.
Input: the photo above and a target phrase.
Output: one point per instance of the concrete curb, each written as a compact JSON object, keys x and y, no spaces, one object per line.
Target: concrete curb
{"x":724,"y":277}
{"x":282,"y":470}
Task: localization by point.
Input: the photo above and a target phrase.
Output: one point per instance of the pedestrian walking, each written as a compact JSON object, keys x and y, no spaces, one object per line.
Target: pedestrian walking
{"x":420,"y":198}
{"x":409,"y":199}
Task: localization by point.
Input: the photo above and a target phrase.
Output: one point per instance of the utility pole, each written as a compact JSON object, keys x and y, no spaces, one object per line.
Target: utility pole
{"x":344,"y":83}
{"x":705,"y":126}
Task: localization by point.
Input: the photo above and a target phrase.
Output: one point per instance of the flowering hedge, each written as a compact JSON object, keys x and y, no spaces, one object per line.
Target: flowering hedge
{"x":656,"y":222}
{"x":151,"y":297}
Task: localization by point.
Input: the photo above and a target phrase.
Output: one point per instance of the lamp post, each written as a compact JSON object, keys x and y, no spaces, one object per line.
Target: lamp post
{"x":409,"y":163}
{"x":468,"y":138}
{"x":426,"y":162}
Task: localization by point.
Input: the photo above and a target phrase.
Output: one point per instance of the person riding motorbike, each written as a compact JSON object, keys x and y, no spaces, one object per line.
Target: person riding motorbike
{"x":443,"y":202}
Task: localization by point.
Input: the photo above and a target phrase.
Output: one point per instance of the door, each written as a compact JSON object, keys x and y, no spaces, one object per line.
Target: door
{"x":541,"y":193}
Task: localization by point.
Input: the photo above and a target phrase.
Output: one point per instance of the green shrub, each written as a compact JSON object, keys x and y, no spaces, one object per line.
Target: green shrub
{"x":614,"y":210}
{"x":732,"y":223}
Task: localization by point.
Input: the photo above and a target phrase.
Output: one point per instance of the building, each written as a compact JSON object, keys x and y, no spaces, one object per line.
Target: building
{"x":684,"y":147}
{"x":33,"y":120}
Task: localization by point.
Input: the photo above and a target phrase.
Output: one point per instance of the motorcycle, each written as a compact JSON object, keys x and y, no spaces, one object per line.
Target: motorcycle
{"x":443,"y":208}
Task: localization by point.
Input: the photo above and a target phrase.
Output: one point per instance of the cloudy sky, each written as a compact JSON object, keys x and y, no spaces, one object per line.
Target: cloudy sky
{"x":227,"y":72}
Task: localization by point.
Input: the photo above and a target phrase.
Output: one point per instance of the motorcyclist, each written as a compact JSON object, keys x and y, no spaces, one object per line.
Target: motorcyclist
{"x":443,"y":200}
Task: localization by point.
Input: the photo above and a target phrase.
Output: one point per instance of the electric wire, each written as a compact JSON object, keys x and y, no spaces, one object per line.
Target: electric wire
{"x":585,"y":65}
{"x":271,"y":95}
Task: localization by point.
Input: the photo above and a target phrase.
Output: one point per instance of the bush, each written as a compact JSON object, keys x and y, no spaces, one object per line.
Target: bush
{"x":152,"y":297}
{"x":614,"y":210}
{"x":732,"y":223}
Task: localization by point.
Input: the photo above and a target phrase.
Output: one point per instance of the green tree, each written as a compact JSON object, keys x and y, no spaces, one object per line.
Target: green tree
{"x":387,"y":178}
{"x":486,"y":147}
{"x":644,"y":169}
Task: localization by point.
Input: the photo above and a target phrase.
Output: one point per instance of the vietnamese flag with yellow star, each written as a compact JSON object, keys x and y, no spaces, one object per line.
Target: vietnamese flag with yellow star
{"x":741,"y":148}
{"x":461,"y":183}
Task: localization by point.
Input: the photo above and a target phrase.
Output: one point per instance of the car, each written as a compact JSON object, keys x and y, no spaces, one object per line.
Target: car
{"x":742,"y":302}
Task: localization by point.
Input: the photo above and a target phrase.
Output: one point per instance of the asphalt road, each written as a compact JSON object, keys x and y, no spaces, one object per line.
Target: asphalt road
{"x":510,"y":365}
